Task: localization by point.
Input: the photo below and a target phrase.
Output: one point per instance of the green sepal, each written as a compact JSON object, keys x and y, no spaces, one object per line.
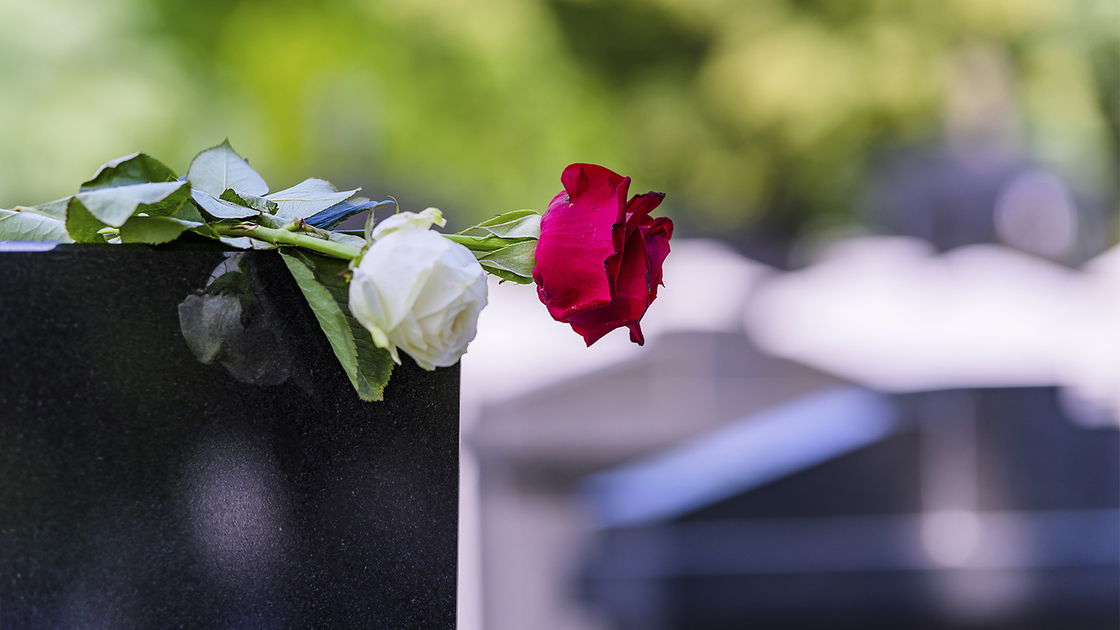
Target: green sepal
{"x":516,"y":224}
{"x":480,"y":245}
{"x":513,"y":263}
{"x":327,"y":292}
{"x":498,"y":234}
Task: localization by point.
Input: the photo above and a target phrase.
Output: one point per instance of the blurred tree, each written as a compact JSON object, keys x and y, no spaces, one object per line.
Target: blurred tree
{"x":751,"y":114}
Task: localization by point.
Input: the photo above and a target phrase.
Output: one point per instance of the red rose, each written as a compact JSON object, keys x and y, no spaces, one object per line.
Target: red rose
{"x":599,"y":256}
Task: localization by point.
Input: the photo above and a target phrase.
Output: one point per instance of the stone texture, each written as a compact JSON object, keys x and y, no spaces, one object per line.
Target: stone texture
{"x":140,"y":488}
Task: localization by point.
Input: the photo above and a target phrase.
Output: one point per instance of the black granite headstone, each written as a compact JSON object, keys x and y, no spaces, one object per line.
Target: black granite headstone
{"x":141,"y":488}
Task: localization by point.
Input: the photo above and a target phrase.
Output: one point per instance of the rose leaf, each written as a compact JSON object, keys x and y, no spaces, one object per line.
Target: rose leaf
{"x":189,"y":211}
{"x":220,"y":208}
{"x":260,"y":204}
{"x":82,"y":226}
{"x":216,"y":169}
{"x":137,"y":168}
{"x":114,"y":205}
{"x":56,"y":208}
{"x":154,"y":230}
{"x":31,"y":224}
{"x":307,"y":198}
{"x":327,"y":293}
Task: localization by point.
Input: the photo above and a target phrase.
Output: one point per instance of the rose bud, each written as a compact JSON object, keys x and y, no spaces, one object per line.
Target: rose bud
{"x":416,"y":291}
{"x":599,"y":256}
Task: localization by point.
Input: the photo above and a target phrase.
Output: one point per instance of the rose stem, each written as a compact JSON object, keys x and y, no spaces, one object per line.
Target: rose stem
{"x":295,"y":239}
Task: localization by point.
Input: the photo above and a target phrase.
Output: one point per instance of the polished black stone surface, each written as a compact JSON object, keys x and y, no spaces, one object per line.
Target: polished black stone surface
{"x":140,"y":488}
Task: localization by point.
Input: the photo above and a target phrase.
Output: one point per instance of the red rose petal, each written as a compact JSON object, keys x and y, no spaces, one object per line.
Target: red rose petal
{"x":656,"y":236}
{"x":600,"y":257}
{"x":577,"y":240}
{"x":640,"y":206}
{"x":631,"y":298}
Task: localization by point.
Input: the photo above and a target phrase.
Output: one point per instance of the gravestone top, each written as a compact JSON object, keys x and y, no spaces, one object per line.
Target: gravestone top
{"x":144,"y":488}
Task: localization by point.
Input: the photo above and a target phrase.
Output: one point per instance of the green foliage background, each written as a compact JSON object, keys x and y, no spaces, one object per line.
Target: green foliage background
{"x":743,"y":111}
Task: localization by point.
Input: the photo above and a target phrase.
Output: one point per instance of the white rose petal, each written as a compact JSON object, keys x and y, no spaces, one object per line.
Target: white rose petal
{"x":408,"y":221}
{"x":419,"y":292}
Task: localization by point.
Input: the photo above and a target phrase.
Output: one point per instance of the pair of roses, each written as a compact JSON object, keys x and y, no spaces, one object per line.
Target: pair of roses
{"x":595,"y":255}
{"x":597,"y":262}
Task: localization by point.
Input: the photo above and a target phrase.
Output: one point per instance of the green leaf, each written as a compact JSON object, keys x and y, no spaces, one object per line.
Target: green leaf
{"x":31,"y":224}
{"x":260,"y":204}
{"x":114,"y":205}
{"x":214,"y":170}
{"x":137,"y":168}
{"x":189,"y":212}
{"x":154,"y":230}
{"x":220,"y":208}
{"x":327,"y":292}
{"x":516,"y":224}
{"x":169,"y":205}
{"x":81,"y":225}
{"x":307,"y":198}
{"x":514,"y":262}
{"x":56,"y":208}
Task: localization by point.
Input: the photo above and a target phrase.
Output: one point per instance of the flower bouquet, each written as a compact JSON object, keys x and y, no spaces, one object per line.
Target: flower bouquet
{"x":395,"y":286}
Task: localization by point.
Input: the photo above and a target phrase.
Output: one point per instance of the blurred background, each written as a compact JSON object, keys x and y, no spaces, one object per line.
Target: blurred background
{"x":881,"y":386}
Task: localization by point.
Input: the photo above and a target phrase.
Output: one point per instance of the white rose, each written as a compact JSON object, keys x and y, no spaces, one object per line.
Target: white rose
{"x":408,"y":221}
{"x":416,"y":291}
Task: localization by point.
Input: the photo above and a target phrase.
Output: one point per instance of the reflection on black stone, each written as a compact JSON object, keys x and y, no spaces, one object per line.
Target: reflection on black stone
{"x":230,"y":322}
{"x":237,"y":514}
